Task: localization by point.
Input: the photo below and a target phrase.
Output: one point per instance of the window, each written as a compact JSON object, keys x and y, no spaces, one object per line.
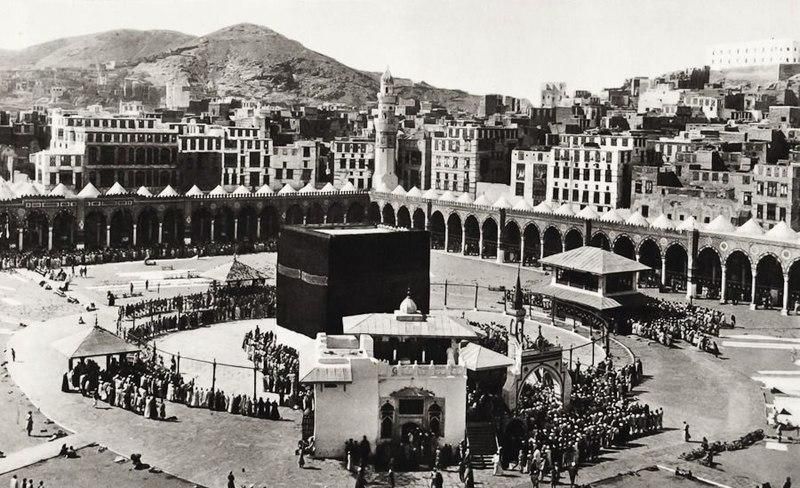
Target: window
{"x":607,"y":198}
{"x":782,"y":213}
{"x":555,"y":193}
{"x":387,"y":421}
{"x":645,"y":211}
{"x":596,"y":197}
{"x":747,"y":198}
{"x":519,"y":189}
{"x":638,"y":187}
{"x":555,"y":171}
{"x":565,"y":194}
{"x":608,"y":176}
{"x":759,"y":211}
{"x":771,"y":211}
{"x":772,"y":188}
{"x":289,"y":174}
{"x":279,"y":174}
{"x":648,"y":187}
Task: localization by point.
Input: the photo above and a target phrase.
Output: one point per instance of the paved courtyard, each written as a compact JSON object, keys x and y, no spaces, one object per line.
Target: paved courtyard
{"x":720,"y":398}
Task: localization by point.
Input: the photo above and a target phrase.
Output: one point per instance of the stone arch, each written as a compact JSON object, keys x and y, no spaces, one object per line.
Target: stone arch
{"x":8,"y":230}
{"x":172,"y":226}
{"x":623,"y":245}
{"x":403,"y":217}
{"x":355,"y":213}
{"x":373,"y":213}
{"x":201,"y":225}
{"x":472,"y":234}
{"x":650,"y":255}
{"x":437,"y":230}
{"x":419,"y":219}
{"x":335,"y":213}
{"x":389,"y":217}
{"x":677,"y":262}
{"x":315,"y":214}
{"x":36,"y":233}
{"x":294,"y":215}
{"x":270,"y":222}
{"x":573,"y":239}
{"x":147,"y":227}
{"x":512,"y":237}
{"x":542,"y":374}
{"x":769,"y":281}
{"x":489,"y":228}
{"x":248,"y":219}
{"x":738,"y":276}
{"x":707,"y":273}
{"x":552,"y":241}
{"x":64,"y":224}
{"x":94,"y":229}
{"x":224,"y":226}
{"x":532,"y":239}
{"x":121,"y":231}
{"x":454,"y":233}
{"x":794,"y":284}
{"x":601,"y":240}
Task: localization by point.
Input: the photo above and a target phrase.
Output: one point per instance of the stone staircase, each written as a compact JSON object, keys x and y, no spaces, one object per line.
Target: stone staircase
{"x":482,"y":443}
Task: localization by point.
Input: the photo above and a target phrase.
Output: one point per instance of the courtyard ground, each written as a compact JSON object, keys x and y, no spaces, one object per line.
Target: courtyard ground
{"x":720,"y":398}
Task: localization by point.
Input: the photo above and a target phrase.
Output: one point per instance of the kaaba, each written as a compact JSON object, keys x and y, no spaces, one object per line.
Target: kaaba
{"x":330,"y":271}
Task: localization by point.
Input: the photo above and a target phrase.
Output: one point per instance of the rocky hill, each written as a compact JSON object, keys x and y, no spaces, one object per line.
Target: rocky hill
{"x":243,"y":60}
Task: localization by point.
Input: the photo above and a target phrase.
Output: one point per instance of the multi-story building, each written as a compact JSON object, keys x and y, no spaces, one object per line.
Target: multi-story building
{"x":590,"y":176}
{"x":552,"y":93}
{"x":776,"y":195}
{"x":414,"y":160}
{"x":753,"y":53}
{"x":353,"y":161}
{"x":295,"y":164}
{"x":466,"y":153}
{"x":529,"y":173}
{"x":636,"y":143}
{"x":784,"y":117}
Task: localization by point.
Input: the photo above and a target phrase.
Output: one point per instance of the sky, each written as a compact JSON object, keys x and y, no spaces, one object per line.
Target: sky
{"x":482,"y":46}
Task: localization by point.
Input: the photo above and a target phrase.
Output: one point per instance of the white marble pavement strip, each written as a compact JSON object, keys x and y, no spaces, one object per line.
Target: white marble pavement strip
{"x":40,"y":452}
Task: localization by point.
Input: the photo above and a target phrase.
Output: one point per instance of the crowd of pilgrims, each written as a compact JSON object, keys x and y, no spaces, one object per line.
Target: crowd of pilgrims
{"x":493,"y":336}
{"x":218,"y":304}
{"x":144,"y":386}
{"x":665,"y":321}
{"x":55,"y":259}
{"x":279,"y":363}
{"x":601,"y":414}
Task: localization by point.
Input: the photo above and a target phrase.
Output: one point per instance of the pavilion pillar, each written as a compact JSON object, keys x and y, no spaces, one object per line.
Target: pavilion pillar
{"x":785,"y":309}
{"x":160,"y":232}
{"x":258,"y":229}
{"x":50,"y":238}
{"x":446,"y":238}
{"x":480,"y":242}
{"x":305,"y":219}
{"x":19,"y":238}
{"x":463,"y":239}
{"x":541,"y":248}
{"x":663,"y":271}
{"x":723,"y":286}
{"x":211,"y":238}
{"x":753,"y":288}
{"x":135,"y":236}
{"x":325,"y":219}
{"x":235,"y":228}
{"x":108,"y":235}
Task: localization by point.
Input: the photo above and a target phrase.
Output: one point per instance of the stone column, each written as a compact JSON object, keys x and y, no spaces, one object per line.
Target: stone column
{"x":50,"y":238}
{"x":258,"y":229}
{"x":480,"y":242}
{"x":501,"y":252}
{"x":160,"y":232}
{"x":211,"y":238}
{"x":446,"y":238}
{"x":19,"y":239}
{"x":541,"y":248}
{"x":663,"y":270}
{"x":753,"y":289}
{"x":785,"y":309}
{"x":722,"y":289}
{"x":135,"y":236}
{"x":522,"y":250}
{"x":689,"y":284}
{"x":108,"y":235}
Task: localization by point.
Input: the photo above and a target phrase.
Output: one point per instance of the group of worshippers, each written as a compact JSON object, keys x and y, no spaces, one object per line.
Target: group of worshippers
{"x":492,"y":336}
{"x":601,"y":414}
{"x":279,"y":363}
{"x":15,"y":482}
{"x":665,"y":321}
{"x":218,"y":304}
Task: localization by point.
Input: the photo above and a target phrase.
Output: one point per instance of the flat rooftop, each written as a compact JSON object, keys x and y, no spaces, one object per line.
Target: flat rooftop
{"x":338,"y":231}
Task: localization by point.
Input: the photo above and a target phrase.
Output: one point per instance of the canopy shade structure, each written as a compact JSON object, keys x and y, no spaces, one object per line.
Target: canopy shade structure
{"x":234,"y":272}
{"x":479,"y":358}
{"x":93,"y":342}
{"x":386,"y":324}
{"x":590,"y":300}
{"x":593,"y":260}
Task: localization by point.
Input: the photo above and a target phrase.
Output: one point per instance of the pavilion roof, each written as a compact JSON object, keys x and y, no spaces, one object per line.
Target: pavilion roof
{"x":594,"y":260}
{"x":386,"y":324}
{"x":92,"y":342}
{"x":234,"y":271}
{"x":329,"y":373}
{"x":590,"y":300}
{"x":479,"y":358}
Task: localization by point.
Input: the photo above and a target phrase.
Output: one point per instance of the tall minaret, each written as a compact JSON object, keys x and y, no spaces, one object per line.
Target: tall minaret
{"x":385,"y":135}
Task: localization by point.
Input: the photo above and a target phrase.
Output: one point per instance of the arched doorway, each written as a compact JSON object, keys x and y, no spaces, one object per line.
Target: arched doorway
{"x":419,"y":219}
{"x":270,"y":223}
{"x":677,"y":262}
{"x":247,"y":224}
{"x":224,"y":225}
{"x":8,"y":231}
{"x":388,"y":215}
{"x":121,"y":228}
{"x":94,"y":228}
{"x":472,"y":234}
{"x":201,"y":225}
{"x":355,"y":213}
{"x":453,"y":233}
{"x":437,"y":230}
{"x":769,"y":282}
{"x":64,"y":230}
{"x":738,"y":277}
{"x":403,"y":218}
{"x":315,"y":214}
{"x":489,"y":238}
{"x":373,"y":213}
{"x":172,"y":227}
{"x":36,"y":232}
{"x":600,"y":240}
{"x":650,"y":255}
{"x":707,"y":273}
{"x":794,"y":285}
{"x":512,"y":240}
{"x":294,"y":215}
{"x":532,"y":244}
{"x":623,"y":245}
{"x":572,"y":240}
{"x":147,"y":227}
{"x":335,"y":213}
{"x":552,"y":241}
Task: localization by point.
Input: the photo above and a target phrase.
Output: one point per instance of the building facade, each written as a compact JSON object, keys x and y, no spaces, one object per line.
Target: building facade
{"x":589,"y":176}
